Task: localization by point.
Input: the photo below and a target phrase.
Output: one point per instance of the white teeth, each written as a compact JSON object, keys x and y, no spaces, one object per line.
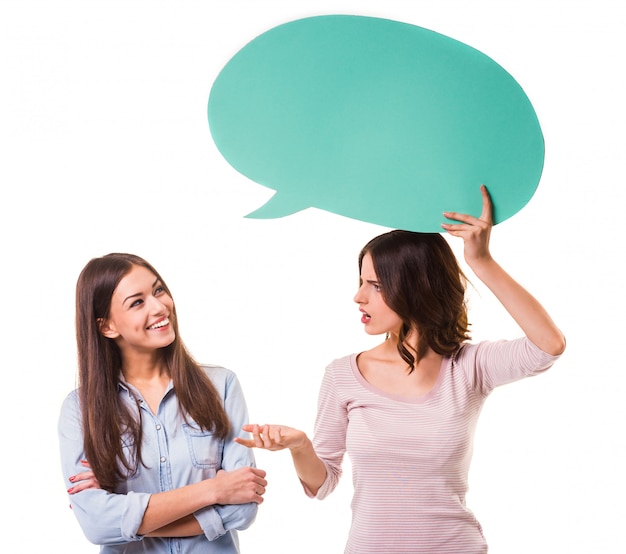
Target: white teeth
{"x":160,"y":324}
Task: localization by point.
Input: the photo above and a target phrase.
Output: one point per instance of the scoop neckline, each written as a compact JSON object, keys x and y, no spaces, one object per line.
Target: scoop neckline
{"x":445,"y":361}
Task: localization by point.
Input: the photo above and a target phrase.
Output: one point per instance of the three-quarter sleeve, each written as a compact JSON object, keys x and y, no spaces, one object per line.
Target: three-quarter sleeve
{"x":490,"y":364}
{"x":105,"y":518}
{"x":330,"y":429}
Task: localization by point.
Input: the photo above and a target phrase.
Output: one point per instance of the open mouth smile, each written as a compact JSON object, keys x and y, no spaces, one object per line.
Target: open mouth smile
{"x":161,"y":323}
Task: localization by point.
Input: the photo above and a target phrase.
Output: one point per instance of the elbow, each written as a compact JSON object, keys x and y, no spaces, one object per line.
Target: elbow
{"x":100,"y":537}
{"x":237,"y":516}
{"x":100,"y":532}
{"x":248,"y":515}
{"x":557,"y":345}
{"x":552,"y":343}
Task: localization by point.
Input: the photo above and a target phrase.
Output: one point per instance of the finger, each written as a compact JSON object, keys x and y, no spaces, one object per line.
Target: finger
{"x":456,"y":228}
{"x":267,"y":437}
{"x":256,"y":436}
{"x":80,"y":487}
{"x":261,"y":473}
{"x":277,"y":435}
{"x":84,"y":485}
{"x":486,"y":214}
{"x":260,"y":481}
{"x":82,"y":476}
{"x":456,"y":216}
{"x":245,"y":442}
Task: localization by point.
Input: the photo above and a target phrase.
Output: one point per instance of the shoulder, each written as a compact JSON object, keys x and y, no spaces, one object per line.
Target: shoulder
{"x":218,"y":374}
{"x":217,"y":371}
{"x":71,"y":401}
{"x":520,"y":350}
{"x":70,"y":413}
{"x":340,"y":373}
{"x":343,"y":364}
{"x":223,"y":379}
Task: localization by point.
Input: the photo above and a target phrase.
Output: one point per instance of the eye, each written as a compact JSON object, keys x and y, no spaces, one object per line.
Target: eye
{"x":377,"y":287}
{"x":159,"y":290}
{"x":136,"y":303}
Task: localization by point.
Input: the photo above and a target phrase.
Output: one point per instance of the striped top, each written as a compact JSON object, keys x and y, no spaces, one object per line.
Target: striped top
{"x":410,"y":456}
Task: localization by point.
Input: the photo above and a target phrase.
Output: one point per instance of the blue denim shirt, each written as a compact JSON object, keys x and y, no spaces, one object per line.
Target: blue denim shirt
{"x":175,"y":453}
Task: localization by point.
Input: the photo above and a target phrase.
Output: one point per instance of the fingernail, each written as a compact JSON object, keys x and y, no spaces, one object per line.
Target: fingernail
{"x":72,"y":479}
{"x":70,"y":490}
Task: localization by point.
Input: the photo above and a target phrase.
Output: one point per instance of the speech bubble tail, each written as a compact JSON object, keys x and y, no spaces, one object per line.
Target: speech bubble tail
{"x":279,"y":205}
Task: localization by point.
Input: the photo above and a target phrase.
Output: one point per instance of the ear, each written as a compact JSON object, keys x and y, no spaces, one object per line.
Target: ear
{"x":107,"y":329}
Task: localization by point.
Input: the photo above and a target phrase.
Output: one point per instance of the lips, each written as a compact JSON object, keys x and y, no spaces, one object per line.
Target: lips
{"x":160,"y":323}
{"x":366,"y":317}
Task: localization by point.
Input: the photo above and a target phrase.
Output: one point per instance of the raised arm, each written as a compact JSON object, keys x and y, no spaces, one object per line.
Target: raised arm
{"x":529,"y":314}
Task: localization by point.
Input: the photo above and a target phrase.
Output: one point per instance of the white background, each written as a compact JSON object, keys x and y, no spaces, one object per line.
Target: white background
{"x":105,"y":146}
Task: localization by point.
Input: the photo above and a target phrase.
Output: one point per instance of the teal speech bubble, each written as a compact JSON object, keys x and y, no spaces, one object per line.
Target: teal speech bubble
{"x":376,"y":120}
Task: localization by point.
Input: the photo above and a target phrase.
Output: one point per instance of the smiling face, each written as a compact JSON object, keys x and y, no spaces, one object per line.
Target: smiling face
{"x":377,"y":316}
{"x":139,"y":317}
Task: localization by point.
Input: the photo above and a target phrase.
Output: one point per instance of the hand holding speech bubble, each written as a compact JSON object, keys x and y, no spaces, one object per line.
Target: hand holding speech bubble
{"x":376,"y":120}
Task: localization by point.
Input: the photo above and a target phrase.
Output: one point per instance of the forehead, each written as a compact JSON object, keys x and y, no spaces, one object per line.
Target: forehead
{"x":367,"y":268}
{"x":136,"y":280}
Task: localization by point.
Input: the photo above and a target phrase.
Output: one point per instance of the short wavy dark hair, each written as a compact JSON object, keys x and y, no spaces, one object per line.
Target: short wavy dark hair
{"x":422,"y":282}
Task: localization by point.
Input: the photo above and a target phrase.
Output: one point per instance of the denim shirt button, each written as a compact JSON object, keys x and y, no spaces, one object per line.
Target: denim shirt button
{"x":163,"y":458}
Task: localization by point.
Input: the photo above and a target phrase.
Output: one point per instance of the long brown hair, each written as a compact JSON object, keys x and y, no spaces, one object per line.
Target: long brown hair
{"x":105,"y":419}
{"x":422,"y":282}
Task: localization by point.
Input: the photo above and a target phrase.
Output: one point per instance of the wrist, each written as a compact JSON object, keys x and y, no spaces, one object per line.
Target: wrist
{"x":303,"y":445}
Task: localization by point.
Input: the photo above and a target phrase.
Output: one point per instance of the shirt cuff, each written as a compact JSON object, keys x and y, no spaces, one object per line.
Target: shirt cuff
{"x":136,"y":504}
{"x":210,"y":522}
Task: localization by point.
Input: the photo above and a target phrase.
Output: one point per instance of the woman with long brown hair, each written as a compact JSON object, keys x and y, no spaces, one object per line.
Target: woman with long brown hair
{"x":405,"y":411}
{"x":147,"y":439}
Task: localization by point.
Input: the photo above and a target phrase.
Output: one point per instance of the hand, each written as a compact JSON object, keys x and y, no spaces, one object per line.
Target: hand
{"x":84,"y":480}
{"x":273,"y":437}
{"x":240,"y":486}
{"x":474,"y":231}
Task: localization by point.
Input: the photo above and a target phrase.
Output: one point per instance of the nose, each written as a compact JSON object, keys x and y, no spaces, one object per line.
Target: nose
{"x":156,"y":306}
{"x":359,"y":296}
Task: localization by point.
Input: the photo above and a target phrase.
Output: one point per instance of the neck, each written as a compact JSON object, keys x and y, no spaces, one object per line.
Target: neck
{"x":390,"y":348}
{"x":411,"y":340}
{"x":143,"y":367}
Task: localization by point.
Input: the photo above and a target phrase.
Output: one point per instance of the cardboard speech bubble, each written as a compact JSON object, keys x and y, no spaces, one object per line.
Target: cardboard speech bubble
{"x":376,"y":120}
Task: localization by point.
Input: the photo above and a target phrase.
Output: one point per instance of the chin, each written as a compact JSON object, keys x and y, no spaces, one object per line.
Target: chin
{"x":169,"y":341}
{"x":374,"y":332}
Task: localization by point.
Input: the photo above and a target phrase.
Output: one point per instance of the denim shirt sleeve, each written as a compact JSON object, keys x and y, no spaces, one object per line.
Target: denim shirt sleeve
{"x":104,"y":517}
{"x":219,"y":519}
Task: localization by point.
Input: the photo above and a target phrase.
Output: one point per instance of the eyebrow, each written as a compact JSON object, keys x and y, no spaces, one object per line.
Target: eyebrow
{"x":139,"y":293}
